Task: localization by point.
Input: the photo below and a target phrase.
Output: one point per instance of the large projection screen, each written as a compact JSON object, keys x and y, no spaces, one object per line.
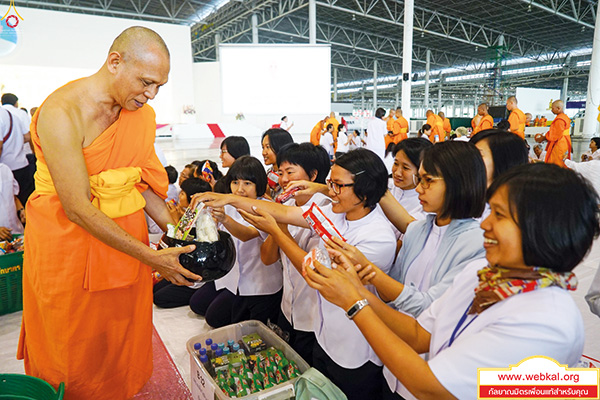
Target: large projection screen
{"x":537,"y":101}
{"x":275,"y":79}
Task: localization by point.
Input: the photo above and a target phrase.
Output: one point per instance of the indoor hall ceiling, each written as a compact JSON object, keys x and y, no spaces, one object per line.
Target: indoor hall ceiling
{"x":468,"y":35}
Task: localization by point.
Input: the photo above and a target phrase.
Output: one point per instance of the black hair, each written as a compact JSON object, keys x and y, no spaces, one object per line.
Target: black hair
{"x":277,"y":138}
{"x":463,"y":170}
{"x":312,"y":159}
{"x":237,"y":146}
{"x":390,"y":149}
{"x":215,"y":167}
{"x":282,"y":118}
{"x":508,"y":149}
{"x":596,"y":140}
{"x":250,"y":169}
{"x":171,"y":173}
{"x":340,"y":126}
{"x":222,"y":185}
{"x":9,"y":98}
{"x":369,"y":173}
{"x":424,"y":128}
{"x":379,"y":113}
{"x":413,"y":148}
{"x":191,"y":186}
{"x":329,"y":126}
{"x":503,"y":125}
{"x":551,"y":239}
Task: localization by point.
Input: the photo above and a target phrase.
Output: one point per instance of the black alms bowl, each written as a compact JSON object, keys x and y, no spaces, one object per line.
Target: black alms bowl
{"x":209,"y":260}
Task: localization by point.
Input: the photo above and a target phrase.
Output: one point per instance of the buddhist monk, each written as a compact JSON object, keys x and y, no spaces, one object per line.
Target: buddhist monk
{"x":516,"y":118}
{"x":528,"y":118}
{"x":317,"y":131}
{"x":543,"y":121}
{"x":332,"y":120}
{"x":536,"y":121}
{"x":446,"y":124}
{"x":389,"y":120}
{"x":87,"y":284}
{"x":437,"y":127}
{"x":400,"y":128}
{"x":486,"y":121}
{"x":558,"y":137}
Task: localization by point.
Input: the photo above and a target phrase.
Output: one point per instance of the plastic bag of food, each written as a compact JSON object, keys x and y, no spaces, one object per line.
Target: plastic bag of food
{"x":206,"y":229}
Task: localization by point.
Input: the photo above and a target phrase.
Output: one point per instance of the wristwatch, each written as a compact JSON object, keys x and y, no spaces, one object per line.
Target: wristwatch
{"x":356,"y":307}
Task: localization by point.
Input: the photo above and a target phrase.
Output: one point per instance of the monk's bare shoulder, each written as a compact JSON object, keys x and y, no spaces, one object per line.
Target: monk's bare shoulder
{"x":62,"y":112}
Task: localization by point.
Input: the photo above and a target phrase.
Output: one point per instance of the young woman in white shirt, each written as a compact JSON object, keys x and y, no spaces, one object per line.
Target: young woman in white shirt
{"x":273,"y":140}
{"x":358,"y":180}
{"x":295,"y":162}
{"x":251,"y":288}
{"x":376,"y":133}
{"x":343,"y":140}
{"x":497,"y":312}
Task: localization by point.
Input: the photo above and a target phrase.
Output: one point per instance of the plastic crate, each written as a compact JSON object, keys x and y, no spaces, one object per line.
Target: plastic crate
{"x":204,"y":386}
{"x":11,"y":282}
{"x":23,"y":387}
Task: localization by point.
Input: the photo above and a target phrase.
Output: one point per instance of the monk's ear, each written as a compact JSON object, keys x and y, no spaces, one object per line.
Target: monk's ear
{"x":113,"y":60}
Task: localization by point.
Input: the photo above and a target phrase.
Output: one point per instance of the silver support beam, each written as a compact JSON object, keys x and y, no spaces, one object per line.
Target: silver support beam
{"x":555,"y":7}
{"x":254,"y":29}
{"x":590,"y":123}
{"x":374,"y":85}
{"x":312,"y":21}
{"x":427,"y":67}
{"x":335,"y":94}
{"x":407,"y":48}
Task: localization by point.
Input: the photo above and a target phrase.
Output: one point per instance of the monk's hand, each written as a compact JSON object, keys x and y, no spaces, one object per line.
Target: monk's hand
{"x":5,"y":234}
{"x":260,"y":219}
{"x":218,"y":214}
{"x":353,"y":254}
{"x":167,"y":264}
{"x":333,"y":284}
{"x":211,"y":199}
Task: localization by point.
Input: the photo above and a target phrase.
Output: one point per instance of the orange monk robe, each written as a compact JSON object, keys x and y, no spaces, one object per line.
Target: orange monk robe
{"x":400,"y":130}
{"x":315,"y":134}
{"x":390,"y":128}
{"x":447,"y":127}
{"x":486,"y":122}
{"x":437,"y":127}
{"x":517,"y":122}
{"x":87,"y":308}
{"x":543,"y":121}
{"x":536,"y":121}
{"x":559,"y":140}
{"x":335,"y":124}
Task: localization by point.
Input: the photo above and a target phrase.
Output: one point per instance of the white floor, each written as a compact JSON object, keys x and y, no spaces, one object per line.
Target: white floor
{"x":176,"y":326}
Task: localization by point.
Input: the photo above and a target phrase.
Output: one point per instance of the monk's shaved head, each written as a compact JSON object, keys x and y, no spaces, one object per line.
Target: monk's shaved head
{"x":512,"y":99}
{"x":137,"y":41}
{"x":558,"y":104}
{"x":441,"y":114}
{"x":429,"y":112}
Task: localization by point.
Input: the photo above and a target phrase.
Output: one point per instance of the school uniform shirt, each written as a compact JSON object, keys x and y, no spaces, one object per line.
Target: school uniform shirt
{"x":376,"y":132}
{"x":343,"y":145}
{"x":339,"y":337}
{"x":13,"y":153}
{"x":299,"y":301}
{"x":9,"y":188}
{"x":250,"y":276}
{"x":327,"y":143}
{"x":543,"y":322}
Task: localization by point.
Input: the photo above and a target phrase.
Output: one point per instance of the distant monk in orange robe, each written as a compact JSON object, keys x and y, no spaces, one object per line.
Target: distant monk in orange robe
{"x":486,"y":121}
{"x":528,"y":118}
{"x":558,"y":137}
{"x":437,"y":127}
{"x":543,"y":121}
{"x":317,"y":131}
{"x":516,"y":118}
{"x":400,"y":128}
{"x":389,"y":121}
{"x":447,"y":127}
{"x":536,"y":121}
{"x":335,"y":123}
{"x":87,"y":285}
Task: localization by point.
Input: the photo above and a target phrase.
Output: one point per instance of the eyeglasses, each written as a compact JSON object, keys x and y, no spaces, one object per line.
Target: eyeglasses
{"x":336,"y":187}
{"x":425,"y":182}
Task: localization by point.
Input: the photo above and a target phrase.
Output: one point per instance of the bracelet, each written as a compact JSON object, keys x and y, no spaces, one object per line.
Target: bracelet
{"x":356,"y":307}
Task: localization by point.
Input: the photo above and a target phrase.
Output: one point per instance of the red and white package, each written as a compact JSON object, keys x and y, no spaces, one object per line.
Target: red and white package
{"x":319,"y":254}
{"x":272,"y":179}
{"x":320,"y":224}
{"x":285,"y":196}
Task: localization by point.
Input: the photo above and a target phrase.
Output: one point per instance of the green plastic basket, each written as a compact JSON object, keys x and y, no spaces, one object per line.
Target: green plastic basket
{"x":11,"y":282}
{"x":23,"y":387}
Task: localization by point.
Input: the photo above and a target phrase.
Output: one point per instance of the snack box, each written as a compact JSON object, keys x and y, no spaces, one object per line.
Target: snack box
{"x":204,"y":386}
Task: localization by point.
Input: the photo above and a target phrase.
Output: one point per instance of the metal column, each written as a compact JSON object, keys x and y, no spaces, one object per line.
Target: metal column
{"x":374,"y":85}
{"x":427,"y":66}
{"x":312,"y":21}
{"x":335,"y":84}
{"x":254,"y":29}
{"x":590,"y":124}
{"x":217,"y":43}
{"x":407,"y":49}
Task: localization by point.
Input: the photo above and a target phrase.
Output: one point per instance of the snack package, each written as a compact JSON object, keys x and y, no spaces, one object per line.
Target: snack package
{"x":319,"y":254}
{"x":285,"y":196}
{"x":206,"y":229}
{"x":272,"y":179}
{"x":320,"y":224}
{"x":207,"y":172}
{"x":187,"y":221}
